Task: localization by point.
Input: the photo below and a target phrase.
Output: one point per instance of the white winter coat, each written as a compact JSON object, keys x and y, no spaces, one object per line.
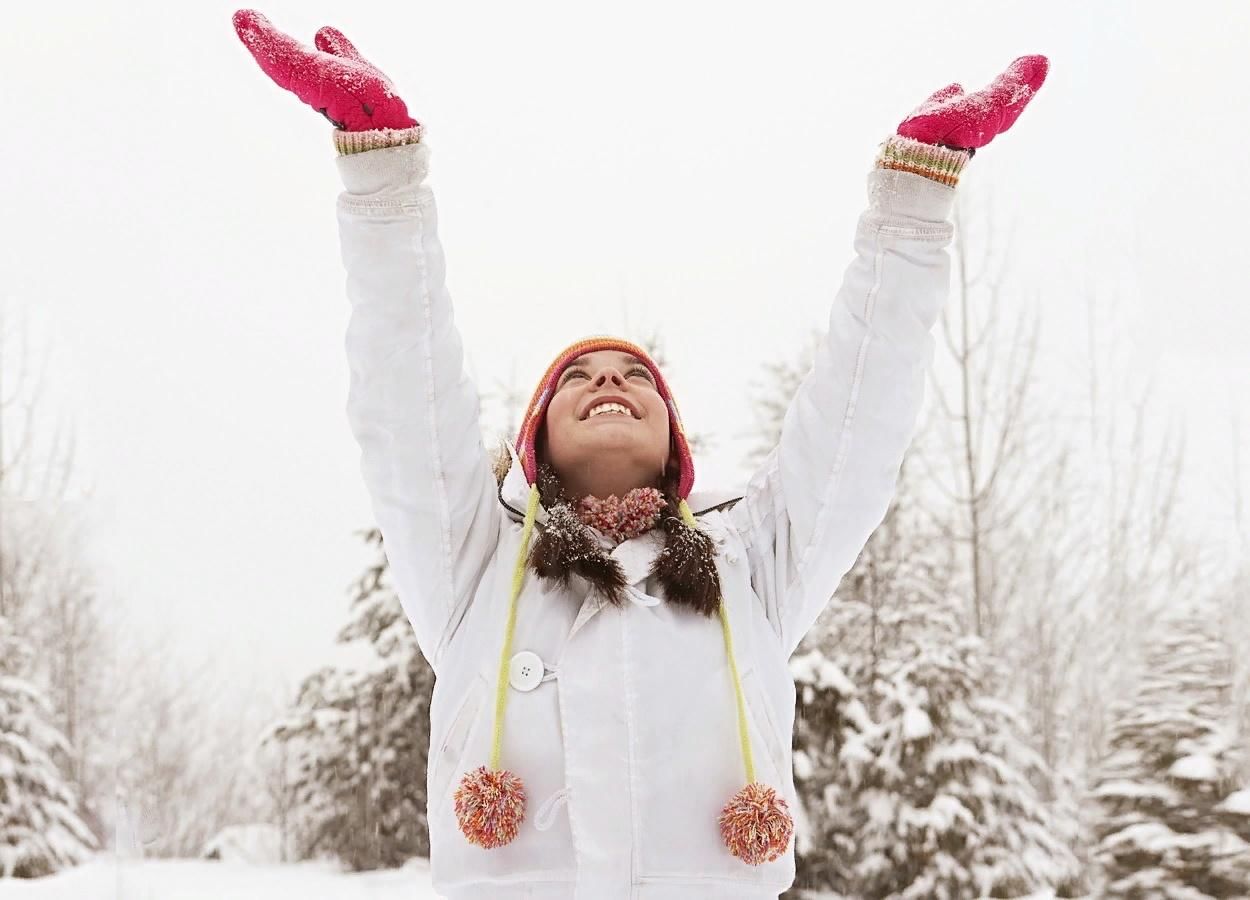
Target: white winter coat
{"x":621,"y":722}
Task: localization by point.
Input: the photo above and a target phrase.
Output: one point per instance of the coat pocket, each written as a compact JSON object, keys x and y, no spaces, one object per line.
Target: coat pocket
{"x":532,"y":751}
{"x":679,"y":803}
{"x":446,"y":764}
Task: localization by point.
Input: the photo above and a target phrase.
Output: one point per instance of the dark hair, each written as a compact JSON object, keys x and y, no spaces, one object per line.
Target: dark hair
{"x":563,"y":547}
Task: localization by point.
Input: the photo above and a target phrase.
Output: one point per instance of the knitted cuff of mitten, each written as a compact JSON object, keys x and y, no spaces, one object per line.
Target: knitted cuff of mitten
{"x":349,"y":142}
{"x":933,"y":161}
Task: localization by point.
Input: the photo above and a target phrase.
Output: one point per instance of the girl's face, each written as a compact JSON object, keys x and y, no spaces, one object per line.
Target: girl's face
{"x":612,"y":451}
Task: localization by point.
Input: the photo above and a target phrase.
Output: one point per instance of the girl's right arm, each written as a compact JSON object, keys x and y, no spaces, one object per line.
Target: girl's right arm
{"x":411,"y":406}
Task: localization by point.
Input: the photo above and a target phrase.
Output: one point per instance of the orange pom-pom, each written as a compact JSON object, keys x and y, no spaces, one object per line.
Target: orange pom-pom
{"x":490,"y":806}
{"x":756,"y":824}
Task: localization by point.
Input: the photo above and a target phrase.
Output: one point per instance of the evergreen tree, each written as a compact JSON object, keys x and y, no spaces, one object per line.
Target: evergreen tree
{"x":40,"y":828}
{"x":358,"y":737}
{"x":918,"y":782}
{"x":915,"y":780}
{"x":1172,"y":824}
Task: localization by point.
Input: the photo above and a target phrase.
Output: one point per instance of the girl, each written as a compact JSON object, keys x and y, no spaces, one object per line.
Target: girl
{"x":627,"y":635}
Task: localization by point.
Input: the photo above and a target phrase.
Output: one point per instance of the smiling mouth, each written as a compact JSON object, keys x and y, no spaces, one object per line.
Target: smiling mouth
{"x":610,"y":408}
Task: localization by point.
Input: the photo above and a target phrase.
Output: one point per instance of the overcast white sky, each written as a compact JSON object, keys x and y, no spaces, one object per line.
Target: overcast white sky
{"x":696,"y":168}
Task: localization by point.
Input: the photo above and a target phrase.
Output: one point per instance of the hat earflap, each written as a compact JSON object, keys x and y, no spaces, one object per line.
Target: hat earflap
{"x":686,"y":565}
{"x":566,"y":547}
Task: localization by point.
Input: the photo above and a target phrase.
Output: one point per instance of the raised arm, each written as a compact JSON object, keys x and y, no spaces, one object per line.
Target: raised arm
{"x":411,"y":406}
{"x":811,"y":506}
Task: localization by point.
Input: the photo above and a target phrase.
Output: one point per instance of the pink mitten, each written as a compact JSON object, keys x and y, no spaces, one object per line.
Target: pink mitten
{"x":951,"y":118}
{"x":334,"y":79}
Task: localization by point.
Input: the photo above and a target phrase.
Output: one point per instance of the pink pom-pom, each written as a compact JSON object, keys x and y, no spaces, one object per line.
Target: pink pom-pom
{"x":756,"y":824}
{"x":490,"y":806}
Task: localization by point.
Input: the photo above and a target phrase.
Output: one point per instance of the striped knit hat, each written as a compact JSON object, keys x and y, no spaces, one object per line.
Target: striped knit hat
{"x":536,"y":412}
{"x":755,"y":824}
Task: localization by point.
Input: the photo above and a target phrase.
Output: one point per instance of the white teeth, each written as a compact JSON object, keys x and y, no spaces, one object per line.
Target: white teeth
{"x":609,"y":408}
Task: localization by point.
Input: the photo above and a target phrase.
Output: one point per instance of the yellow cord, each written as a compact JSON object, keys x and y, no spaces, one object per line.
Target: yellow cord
{"x":743,"y":734}
{"x":518,"y":576}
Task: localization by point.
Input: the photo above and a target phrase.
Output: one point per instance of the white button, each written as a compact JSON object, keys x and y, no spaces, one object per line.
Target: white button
{"x":525,"y":671}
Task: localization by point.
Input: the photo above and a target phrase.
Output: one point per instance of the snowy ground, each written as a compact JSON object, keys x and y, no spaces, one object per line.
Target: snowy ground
{"x":109,"y":879}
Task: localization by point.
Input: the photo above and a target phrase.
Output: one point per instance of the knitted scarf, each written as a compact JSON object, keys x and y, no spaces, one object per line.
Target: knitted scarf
{"x":621,"y":518}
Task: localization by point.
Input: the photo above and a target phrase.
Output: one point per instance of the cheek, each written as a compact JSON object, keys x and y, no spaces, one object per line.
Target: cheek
{"x":659,"y":415}
{"x":556,"y":422}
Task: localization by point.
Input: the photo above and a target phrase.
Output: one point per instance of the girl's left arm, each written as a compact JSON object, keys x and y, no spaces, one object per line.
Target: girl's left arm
{"x":812,"y":505}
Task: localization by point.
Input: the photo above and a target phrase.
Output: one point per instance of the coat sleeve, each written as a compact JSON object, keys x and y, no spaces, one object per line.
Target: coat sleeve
{"x":411,"y":406}
{"x":811,"y":506}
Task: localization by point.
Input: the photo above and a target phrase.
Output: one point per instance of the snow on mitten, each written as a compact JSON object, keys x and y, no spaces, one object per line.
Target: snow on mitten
{"x":943,"y":132}
{"x":967,"y":121}
{"x":334,"y":79}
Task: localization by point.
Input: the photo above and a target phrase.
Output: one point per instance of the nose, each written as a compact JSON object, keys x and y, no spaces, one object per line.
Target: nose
{"x":609,"y":373}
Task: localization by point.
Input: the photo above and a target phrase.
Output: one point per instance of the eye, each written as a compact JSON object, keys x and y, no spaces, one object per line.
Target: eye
{"x":636,"y":370}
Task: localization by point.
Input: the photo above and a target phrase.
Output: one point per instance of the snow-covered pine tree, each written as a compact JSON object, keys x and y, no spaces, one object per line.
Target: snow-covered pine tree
{"x":950,"y":787}
{"x":915,"y":781}
{"x":1172,"y":824}
{"x":40,"y":828}
{"x":358,"y":737}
